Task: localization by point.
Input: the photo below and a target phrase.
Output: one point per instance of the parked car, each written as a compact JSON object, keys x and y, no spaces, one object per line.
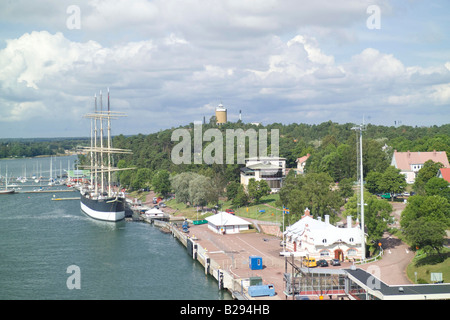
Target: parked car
{"x":162,"y":205}
{"x":309,"y":262}
{"x":322,"y":263}
{"x":335,"y":262}
{"x":229,"y":211}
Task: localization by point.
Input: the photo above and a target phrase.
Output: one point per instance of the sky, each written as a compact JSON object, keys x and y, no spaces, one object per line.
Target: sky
{"x":168,"y":63}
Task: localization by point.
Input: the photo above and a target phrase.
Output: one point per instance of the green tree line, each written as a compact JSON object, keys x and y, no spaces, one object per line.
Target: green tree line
{"x":332,"y":147}
{"x":15,"y":148}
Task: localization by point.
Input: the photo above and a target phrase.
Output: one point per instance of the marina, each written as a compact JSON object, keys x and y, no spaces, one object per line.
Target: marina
{"x":120,"y":261}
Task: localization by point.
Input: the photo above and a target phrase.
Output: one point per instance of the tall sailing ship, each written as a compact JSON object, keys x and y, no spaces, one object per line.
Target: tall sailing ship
{"x":100,"y":199}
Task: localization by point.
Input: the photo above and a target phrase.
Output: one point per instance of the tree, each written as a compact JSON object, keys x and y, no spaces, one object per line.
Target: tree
{"x":314,"y":191}
{"x":241,"y":198}
{"x":427,"y":235}
{"x":125,"y":176}
{"x":232,"y":189}
{"x":161,"y":182}
{"x":346,"y":188}
{"x":180,"y":184}
{"x":438,"y":187}
{"x":428,"y":171}
{"x":392,"y":181}
{"x":201,"y":191}
{"x":141,"y":179}
{"x":257,"y":189}
{"x":373,"y":182}
{"x":377,"y":215}
{"x":430,"y":208}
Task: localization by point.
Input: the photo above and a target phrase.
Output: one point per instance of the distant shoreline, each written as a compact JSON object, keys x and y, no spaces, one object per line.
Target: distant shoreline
{"x":42,"y":156}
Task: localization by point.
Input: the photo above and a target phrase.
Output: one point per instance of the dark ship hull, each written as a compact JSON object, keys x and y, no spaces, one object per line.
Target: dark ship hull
{"x":106,"y":209}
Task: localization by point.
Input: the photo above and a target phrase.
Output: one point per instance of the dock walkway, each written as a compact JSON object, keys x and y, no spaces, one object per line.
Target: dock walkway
{"x":226,"y":257}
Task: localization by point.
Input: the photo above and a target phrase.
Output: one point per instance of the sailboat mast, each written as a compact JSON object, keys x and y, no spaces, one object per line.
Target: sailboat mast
{"x":109,"y":149}
{"x":101,"y":144}
{"x":92,"y":153}
{"x":95,"y":148}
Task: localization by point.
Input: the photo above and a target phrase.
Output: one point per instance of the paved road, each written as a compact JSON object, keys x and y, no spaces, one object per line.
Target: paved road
{"x":392,"y":267}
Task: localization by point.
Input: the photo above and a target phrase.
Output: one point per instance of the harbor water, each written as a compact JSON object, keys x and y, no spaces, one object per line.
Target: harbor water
{"x":41,"y":241}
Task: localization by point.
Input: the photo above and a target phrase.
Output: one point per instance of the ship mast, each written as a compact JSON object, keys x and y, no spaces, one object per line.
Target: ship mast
{"x":94,"y":151}
{"x":109,"y":148}
{"x":97,"y":149}
{"x":102,"y":190}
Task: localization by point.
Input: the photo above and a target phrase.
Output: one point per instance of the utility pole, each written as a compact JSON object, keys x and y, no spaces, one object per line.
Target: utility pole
{"x":361,"y":179}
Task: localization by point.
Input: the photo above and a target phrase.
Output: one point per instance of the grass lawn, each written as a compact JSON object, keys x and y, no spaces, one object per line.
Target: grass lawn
{"x":253,"y":211}
{"x":425,"y":265}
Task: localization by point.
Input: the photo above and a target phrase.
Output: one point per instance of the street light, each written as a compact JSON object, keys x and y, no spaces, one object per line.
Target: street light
{"x":363,"y":244}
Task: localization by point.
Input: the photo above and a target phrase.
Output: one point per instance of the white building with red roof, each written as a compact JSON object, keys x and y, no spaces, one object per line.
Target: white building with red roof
{"x":410,"y":163}
{"x":301,"y":163}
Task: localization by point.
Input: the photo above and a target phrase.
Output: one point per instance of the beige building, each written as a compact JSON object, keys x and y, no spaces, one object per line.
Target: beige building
{"x":301,"y":163}
{"x":270,"y":169}
{"x":221,"y":114}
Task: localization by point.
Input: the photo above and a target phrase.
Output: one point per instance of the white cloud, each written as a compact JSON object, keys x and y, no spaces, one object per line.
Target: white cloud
{"x":169,"y":60}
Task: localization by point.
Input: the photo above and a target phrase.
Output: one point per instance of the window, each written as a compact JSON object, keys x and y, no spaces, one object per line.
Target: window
{"x":351,"y":240}
{"x":324,"y":253}
{"x":324,"y":241}
{"x":351,"y":252}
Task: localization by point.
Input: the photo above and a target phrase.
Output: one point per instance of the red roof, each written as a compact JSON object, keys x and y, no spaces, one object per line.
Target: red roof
{"x":444,"y":173}
{"x":303,"y":159}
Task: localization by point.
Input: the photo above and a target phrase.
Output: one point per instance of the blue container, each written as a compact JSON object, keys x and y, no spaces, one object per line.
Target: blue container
{"x":261,"y":291}
{"x":255,"y":263}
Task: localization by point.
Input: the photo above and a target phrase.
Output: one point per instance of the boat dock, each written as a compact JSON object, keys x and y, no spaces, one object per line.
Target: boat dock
{"x":230,"y":265}
{"x":45,"y":191}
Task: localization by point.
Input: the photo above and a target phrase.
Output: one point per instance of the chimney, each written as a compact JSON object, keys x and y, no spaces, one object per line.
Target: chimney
{"x":349,"y":221}
{"x":307,"y":213}
{"x":327,"y":219}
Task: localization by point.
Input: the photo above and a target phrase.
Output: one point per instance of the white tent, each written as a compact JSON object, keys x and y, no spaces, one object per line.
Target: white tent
{"x":154,"y":213}
{"x":224,"y":222}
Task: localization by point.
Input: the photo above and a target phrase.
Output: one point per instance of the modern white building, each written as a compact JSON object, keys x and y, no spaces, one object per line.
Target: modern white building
{"x":226,"y":223}
{"x":270,"y":169}
{"x":321,"y":240}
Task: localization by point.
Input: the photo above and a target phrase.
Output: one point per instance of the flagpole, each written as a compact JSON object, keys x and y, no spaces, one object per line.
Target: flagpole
{"x":284,"y":244}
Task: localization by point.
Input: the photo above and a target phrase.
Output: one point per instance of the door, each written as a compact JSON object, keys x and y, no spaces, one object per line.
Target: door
{"x":339,"y":254}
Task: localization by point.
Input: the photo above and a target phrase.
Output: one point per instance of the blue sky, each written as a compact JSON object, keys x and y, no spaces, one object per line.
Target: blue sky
{"x":169,"y":62}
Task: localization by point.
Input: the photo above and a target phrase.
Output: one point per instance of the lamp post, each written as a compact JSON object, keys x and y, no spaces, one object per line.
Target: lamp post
{"x":363,"y":240}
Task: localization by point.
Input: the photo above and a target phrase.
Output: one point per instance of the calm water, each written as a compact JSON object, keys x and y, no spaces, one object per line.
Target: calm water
{"x":40,"y":239}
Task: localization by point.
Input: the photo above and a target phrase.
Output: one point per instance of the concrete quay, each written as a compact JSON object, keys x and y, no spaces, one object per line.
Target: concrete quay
{"x":226,"y":257}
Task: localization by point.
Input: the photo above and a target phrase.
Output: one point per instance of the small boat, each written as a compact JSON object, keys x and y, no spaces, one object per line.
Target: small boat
{"x":6,"y":190}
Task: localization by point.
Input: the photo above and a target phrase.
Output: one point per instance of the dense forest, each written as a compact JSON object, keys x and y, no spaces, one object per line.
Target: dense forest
{"x":333,"y":148}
